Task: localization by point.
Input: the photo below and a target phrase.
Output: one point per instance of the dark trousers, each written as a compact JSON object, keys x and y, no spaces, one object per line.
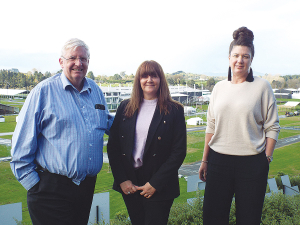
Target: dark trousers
{"x":143,"y":211}
{"x":57,"y":200}
{"x":245,"y":178}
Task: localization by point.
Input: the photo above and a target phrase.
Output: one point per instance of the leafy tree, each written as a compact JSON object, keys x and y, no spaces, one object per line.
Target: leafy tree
{"x":170,"y":81}
{"x":90,"y":75}
{"x":276,"y":84}
{"x":210,"y":82}
{"x":191,"y":83}
{"x":117,"y":77}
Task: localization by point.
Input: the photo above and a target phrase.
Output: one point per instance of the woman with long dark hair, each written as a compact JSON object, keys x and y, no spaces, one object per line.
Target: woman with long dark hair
{"x":146,"y":147}
{"x":242,"y":130}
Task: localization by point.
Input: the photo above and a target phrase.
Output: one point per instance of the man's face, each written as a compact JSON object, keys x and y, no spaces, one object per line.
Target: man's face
{"x":75,"y":64}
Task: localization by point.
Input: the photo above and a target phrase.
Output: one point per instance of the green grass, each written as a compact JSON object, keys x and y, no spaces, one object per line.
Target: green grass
{"x":287,"y":133}
{"x":195,"y":144}
{"x":287,"y":160}
{"x":9,"y":124}
{"x":290,"y":121}
{"x":4,"y":151}
{"x":6,"y":137}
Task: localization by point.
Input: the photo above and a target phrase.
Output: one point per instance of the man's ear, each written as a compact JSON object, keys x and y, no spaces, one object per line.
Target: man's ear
{"x":61,"y":62}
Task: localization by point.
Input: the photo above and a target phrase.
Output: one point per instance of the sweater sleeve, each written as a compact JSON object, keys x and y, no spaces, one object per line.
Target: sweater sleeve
{"x":271,"y":119}
{"x":210,"y":128}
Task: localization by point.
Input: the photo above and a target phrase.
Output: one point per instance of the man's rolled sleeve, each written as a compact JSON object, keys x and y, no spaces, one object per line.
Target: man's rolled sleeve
{"x":30,"y":180}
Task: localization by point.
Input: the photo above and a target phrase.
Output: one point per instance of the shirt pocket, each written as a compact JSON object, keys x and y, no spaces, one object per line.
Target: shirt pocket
{"x":101,"y":119}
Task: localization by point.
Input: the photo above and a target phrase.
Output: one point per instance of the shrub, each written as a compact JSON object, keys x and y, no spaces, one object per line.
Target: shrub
{"x":281,"y":209}
{"x":121,"y":218}
{"x":184,"y":213}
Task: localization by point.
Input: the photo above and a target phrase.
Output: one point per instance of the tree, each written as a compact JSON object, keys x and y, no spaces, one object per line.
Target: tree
{"x":276,"y":84}
{"x":191,"y":83}
{"x":90,"y":75}
{"x":117,"y":77}
{"x":170,"y":81}
{"x":210,"y":82}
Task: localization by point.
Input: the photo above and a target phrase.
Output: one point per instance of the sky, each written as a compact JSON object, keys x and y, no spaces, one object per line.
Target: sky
{"x":187,"y":35}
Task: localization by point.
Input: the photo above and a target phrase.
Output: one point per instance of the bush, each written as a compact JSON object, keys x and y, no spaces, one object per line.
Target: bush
{"x":184,"y":213}
{"x":121,"y":218}
{"x":278,"y":209}
{"x":281,"y":209}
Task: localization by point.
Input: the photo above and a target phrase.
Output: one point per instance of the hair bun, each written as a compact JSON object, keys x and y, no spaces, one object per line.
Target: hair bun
{"x":243,"y":33}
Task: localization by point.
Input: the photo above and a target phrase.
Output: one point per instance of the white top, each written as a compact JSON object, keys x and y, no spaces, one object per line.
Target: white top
{"x":143,"y":122}
{"x":241,"y":116}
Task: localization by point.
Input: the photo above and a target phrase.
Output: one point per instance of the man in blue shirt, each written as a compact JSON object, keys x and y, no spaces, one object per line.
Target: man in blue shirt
{"x":57,"y":144}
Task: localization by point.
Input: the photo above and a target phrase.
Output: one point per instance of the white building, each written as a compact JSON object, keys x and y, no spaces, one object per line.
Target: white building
{"x":194,"y":121}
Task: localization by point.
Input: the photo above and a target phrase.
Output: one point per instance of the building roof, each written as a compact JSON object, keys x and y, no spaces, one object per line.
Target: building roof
{"x":12,"y":91}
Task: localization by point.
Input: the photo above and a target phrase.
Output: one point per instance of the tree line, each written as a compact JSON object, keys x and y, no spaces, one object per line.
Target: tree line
{"x":13,"y":80}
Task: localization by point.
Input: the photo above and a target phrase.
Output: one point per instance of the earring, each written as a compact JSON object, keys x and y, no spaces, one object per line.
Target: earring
{"x":250,"y":77}
{"x":229,"y":74}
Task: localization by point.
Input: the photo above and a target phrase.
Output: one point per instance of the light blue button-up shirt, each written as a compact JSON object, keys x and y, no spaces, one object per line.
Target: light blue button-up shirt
{"x":60,"y":129}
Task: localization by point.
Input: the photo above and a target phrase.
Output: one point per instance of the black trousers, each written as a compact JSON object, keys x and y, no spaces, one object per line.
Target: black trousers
{"x":143,"y":211}
{"x":245,"y":178}
{"x":57,"y":200}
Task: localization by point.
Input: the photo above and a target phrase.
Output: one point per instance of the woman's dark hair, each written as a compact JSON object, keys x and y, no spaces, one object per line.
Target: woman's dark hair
{"x":164,"y":100}
{"x":242,"y":37}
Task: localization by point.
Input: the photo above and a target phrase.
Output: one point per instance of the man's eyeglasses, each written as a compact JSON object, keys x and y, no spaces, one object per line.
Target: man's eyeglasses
{"x":73,"y":59}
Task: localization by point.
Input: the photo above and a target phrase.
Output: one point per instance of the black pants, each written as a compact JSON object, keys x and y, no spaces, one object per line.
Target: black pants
{"x":57,"y":200}
{"x":245,"y":178}
{"x":143,"y":211}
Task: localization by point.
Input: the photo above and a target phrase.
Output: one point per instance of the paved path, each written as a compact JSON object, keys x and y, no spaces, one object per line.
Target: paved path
{"x":4,"y":134}
{"x":192,"y":169}
{"x":185,"y":170}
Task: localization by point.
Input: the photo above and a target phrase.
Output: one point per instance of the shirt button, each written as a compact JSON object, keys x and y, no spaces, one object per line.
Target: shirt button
{"x":122,"y":136}
{"x":90,"y":158}
{"x":91,"y":145}
{"x":165,"y":122}
{"x":90,"y":131}
{"x":159,"y":138}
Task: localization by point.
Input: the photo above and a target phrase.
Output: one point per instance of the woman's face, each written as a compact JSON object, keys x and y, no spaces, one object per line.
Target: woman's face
{"x":150,"y":85}
{"x":240,"y":60}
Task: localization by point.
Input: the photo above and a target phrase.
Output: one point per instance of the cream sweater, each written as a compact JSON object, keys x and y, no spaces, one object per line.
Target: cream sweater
{"x":241,"y":116}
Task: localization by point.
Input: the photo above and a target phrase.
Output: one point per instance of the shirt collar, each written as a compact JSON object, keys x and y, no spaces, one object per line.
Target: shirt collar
{"x":66,"y":83}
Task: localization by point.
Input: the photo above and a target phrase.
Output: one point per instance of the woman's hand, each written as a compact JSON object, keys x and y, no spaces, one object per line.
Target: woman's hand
{"x":127,"y":187}
{"x":147,"y":190}
{"x":203,"y":171}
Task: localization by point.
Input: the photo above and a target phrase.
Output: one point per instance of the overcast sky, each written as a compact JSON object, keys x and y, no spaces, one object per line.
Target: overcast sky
{"x":188,"y":35}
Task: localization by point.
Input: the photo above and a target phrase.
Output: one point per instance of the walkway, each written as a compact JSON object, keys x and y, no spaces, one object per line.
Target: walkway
{"x":185,"y":170}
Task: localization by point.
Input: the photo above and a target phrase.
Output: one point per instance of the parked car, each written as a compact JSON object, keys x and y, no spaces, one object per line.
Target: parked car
{"x":289,"y":114}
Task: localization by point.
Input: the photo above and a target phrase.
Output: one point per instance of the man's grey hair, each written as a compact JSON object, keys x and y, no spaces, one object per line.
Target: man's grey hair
{"x":73,"y":43}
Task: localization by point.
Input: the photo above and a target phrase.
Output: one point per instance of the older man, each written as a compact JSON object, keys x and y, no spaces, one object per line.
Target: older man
{"x":58,"y":140}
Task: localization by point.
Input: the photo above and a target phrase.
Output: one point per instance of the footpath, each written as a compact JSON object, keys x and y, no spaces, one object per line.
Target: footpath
{"x":187,"y":169}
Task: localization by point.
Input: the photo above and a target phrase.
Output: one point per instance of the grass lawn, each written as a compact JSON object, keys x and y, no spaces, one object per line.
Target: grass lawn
{"x":286,"y":160}
{"x":290,"y":121}
{"x":4,"y":151}
{"x":9,"y":124}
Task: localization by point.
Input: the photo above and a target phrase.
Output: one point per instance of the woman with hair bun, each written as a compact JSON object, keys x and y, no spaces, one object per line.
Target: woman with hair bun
{"x":242,"y":130}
